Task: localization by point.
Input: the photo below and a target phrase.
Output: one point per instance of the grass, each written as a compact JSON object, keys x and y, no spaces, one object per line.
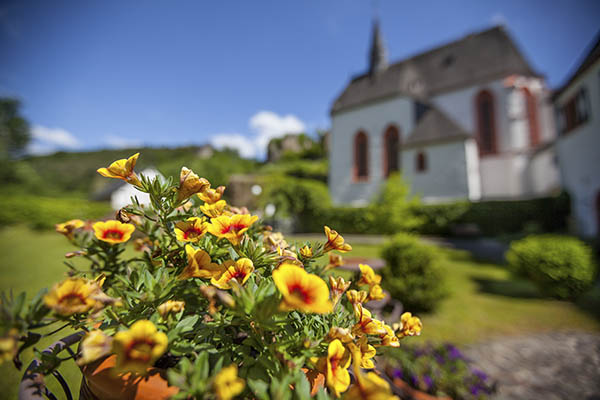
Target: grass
{"x":484,"y":301}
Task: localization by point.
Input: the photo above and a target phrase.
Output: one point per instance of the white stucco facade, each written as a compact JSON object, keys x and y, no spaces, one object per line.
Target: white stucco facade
{"x":121,"y":197}
{"x":455,"y":169}
{"x":373,"y":120}
{"x":579,"y":154}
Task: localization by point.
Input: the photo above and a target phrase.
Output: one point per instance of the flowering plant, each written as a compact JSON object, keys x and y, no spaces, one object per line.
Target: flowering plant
{"x":227,"y":305}
{"x":440,"y":370}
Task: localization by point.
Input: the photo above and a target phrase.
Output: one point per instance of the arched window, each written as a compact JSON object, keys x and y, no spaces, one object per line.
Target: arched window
{"x":361,"y":157}
{"x":532,"y":117}
{"x":421,"y":162}
{"x":391,"y":148}
{"x":486,"y":129}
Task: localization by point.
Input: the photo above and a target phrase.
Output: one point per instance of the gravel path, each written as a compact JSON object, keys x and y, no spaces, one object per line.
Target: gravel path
{"x":549,"y":366}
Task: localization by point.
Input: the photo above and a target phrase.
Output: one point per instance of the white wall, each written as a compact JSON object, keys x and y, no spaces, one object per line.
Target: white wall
{"x":445,"y":177}
{"x":122,"y":196}
{"x":579,"y":154}
{"x":542,"y":173}
{"x":373,"y":120}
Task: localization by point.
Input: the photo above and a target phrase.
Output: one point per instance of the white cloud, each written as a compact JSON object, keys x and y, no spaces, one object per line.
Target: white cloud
{"x":48,"y":140}
{"x":268,"y":125}
{"x":265,"y":125}
{"x":499,"y":19}
{"x":235,"y":141}
{"x":120,"y":142}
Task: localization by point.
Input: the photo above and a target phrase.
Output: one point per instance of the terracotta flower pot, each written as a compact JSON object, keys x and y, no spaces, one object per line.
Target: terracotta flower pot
{"x":100,"y":383}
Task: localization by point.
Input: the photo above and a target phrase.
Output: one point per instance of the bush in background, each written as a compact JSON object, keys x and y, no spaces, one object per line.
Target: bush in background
{"x":561,"y":266}
{"x":45,"y":212}
{"x":412,"y":272}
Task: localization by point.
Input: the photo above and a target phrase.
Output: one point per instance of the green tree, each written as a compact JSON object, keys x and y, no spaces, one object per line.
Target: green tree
{"x":14,"y":136}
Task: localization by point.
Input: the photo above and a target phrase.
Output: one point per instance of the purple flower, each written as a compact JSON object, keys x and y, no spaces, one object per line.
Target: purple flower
{"x":398,"y":373}
{"x":427,"y":381}
{"x":440,"y":359}
{"x":479,"y":373}
{"x":454,"y":353}
{"x":414,"y":380}
{"x":474,"y":390}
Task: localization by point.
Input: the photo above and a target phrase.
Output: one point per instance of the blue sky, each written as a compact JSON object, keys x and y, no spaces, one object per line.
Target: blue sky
{"x":94,"y":74}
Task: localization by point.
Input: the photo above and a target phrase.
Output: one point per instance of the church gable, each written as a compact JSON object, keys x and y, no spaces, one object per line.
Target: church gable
{"x":472,"y":60}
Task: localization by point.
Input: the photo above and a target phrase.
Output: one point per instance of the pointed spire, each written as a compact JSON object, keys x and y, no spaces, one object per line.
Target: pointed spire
{"x":378,"y":55}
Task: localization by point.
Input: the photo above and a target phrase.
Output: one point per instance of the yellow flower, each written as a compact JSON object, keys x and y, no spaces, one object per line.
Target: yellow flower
{"x":370,"y":387}
{"x":376,"y":293}
{"x":211,"y":196}
{"x":8,"y":346}
{"x":335,"y":260}
{"x":94,"y":345}
{"x":190,"y":183}
{"x":356,"y":296}
{"x":231,"y":227}
{"x":170,"y":307}
{"x":409,"y":325}
{"x":227,"y":384}
{"x":122,"y":169}
{"x":191,"y":230}
{"x":113,"y":231}
{"x":239,"y":270}
{"x":275,"y":241}
{"x":343,"y":334}
{"x":389,"y":338}
{"x":367,"y":352}
{"x":366,"y":324}
{"x":338,"y":361}
{"x":68,"y":228}
{"x":214,"y":210}
{"x":338,"y":287}
{"x":368,"y":276}
{"x":71,"y":296}
{"x":200,"y":265}
{"x":138,"y":347}
{"x":301,"y":290}
{"x":335,"y":241}
{"x":306,"y":251}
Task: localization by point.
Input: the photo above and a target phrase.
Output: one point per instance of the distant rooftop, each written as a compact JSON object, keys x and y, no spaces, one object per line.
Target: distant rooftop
{"x":475,"y":58}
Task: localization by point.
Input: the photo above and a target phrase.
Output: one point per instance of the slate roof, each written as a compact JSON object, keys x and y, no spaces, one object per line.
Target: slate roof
{"x":434,"y":127}
{"x":592,"y":54}
{"x":475,"y":58}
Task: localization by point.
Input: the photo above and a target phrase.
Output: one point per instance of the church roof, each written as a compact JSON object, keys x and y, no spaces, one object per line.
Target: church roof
{"x":475,"y":58}
{"x":433,"y":127}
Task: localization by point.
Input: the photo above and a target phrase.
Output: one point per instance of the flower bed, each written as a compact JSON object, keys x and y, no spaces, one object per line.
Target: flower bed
{"x":213,"y":300}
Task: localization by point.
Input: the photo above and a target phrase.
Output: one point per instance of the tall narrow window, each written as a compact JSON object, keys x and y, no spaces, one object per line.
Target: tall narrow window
{"x":486,"y":131}
{"x":391,"y":146}
{"x":421,"y":162}
{"x":361,"y":157}
{"x":532,"y":116}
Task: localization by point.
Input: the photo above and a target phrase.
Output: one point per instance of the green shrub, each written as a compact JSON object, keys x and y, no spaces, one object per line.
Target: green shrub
{"x":45,"y":212}
{"x":561,"y":266}
{"x":412,"y":273}
{"x":438,"y":219}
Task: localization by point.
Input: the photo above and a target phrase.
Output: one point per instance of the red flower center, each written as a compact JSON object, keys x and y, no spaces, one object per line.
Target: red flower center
{"x":233,"y":227}
{"x":72,"y":299}
{"x":300,"y":292}
{"x":143,"y":348}
{"x":112,"y":234}
{"x":192,"y":233}
{"x":239,"y":275}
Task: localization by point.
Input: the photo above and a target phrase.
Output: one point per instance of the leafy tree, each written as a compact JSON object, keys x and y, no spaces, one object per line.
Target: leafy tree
{"x":14,"y":129}
{"x":14,"y":136}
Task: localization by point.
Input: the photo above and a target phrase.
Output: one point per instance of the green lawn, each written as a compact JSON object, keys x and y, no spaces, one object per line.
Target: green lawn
{"x":484,"y":302}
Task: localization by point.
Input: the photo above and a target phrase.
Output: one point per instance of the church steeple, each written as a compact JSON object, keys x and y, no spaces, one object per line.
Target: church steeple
{"x":378,"y":55}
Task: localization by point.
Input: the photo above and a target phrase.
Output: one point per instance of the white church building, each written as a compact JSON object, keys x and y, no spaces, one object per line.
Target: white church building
{"x":467,"y":120}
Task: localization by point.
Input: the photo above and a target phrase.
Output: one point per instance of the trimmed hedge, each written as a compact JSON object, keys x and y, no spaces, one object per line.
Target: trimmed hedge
{"x":412,"y":272}
{"x":561,"y":266}
{"x":45,"y":212}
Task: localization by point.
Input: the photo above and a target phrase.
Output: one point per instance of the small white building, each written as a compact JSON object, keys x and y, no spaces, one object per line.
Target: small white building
{"x":121,"y":196}
{"x":467,"y":120}
{"x":577,"y":106}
